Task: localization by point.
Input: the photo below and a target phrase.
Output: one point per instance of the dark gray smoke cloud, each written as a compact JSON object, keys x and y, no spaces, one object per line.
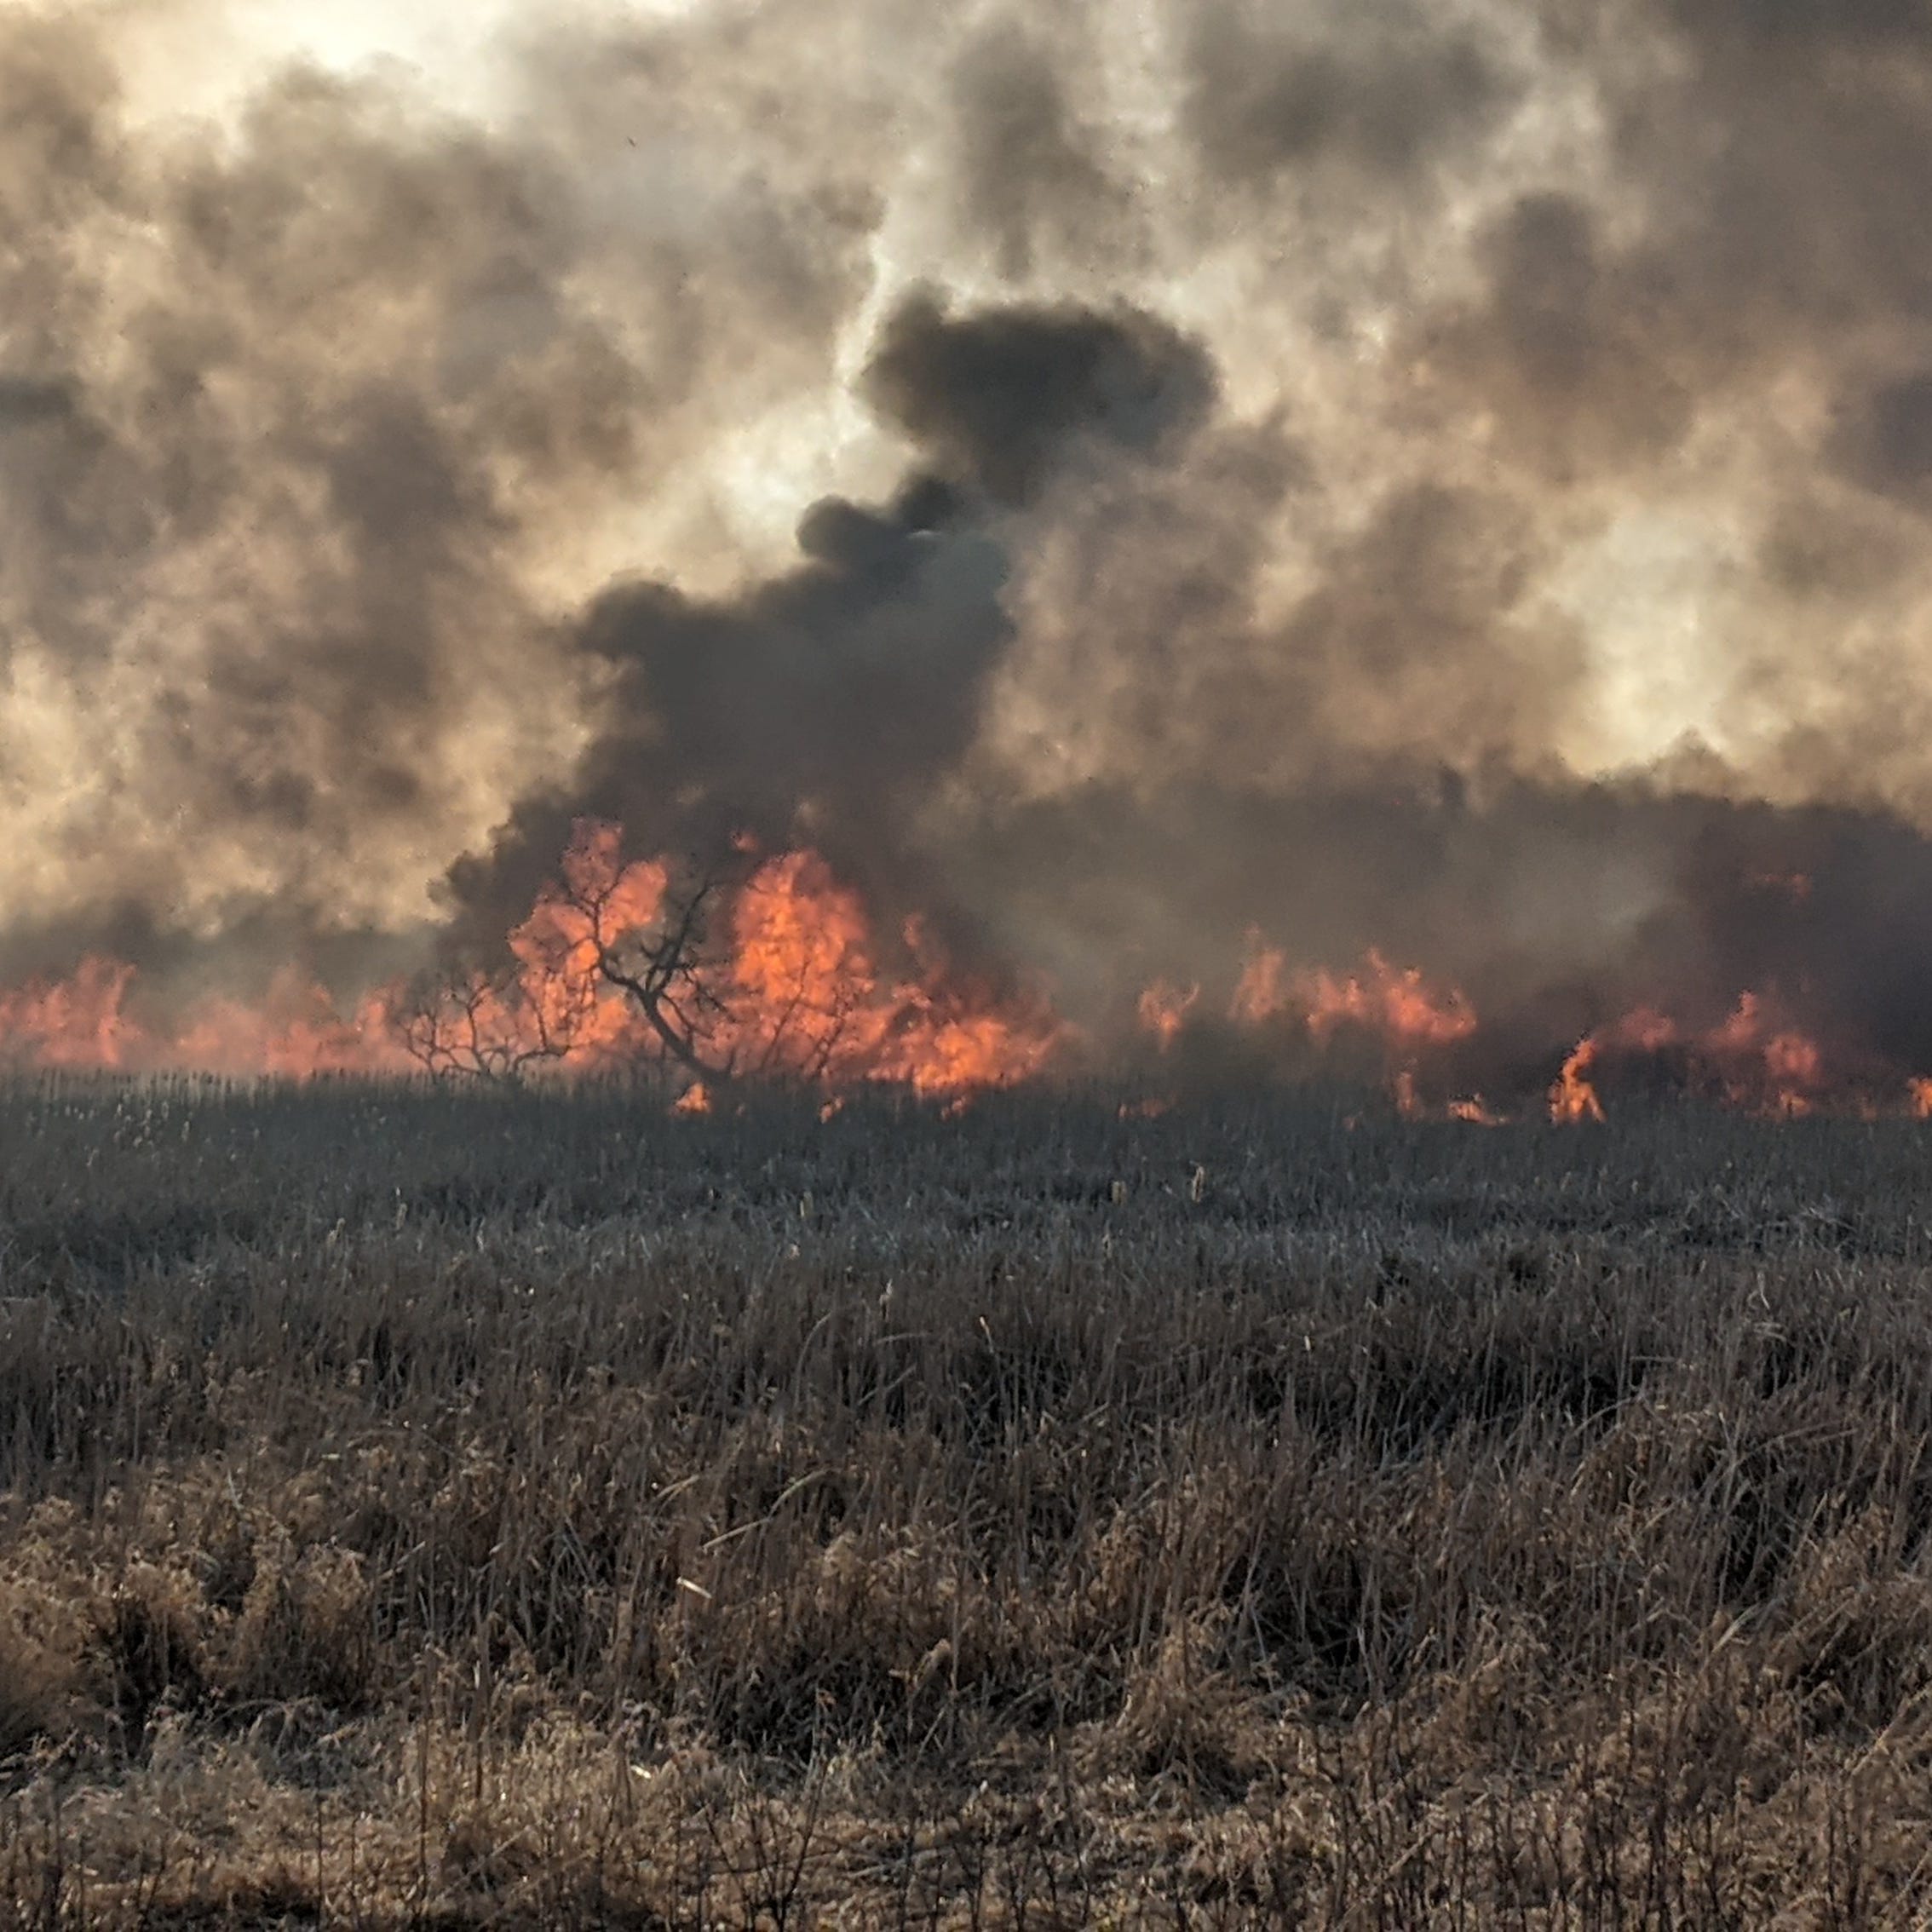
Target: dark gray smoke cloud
{"x":829,"y":702}
{"x":1449,"y":478}
{"x":993,"y":399}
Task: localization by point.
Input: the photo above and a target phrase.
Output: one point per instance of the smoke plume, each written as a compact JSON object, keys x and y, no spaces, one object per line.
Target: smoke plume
{"x":1448,"y":478}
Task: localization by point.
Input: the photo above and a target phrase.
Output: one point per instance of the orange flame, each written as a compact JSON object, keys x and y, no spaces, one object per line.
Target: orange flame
{"x":1164,"y":1009}
{"x":796,"y":988}
{"x":1772,"y":1072}
{"x":82,"y":1024}
{"x":1757,"y":1067}
{"x":1645,"y":1030}
{"x":804,"y":996}
{"x":796,"y":993}
{"x":1409,"y":1016}
{"x":1263,"y":990}
{"x":1398,"y":1005}
{"x":73,"y":1023}
{"x":1573,"y":1097}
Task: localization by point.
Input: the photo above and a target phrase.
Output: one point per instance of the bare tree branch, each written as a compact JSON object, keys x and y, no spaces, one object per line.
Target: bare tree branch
{"x":662,"y":970}
{"x":465,"y":1023}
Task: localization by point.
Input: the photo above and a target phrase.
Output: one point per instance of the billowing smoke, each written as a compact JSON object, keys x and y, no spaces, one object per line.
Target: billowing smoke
{"x":1127,"y":487}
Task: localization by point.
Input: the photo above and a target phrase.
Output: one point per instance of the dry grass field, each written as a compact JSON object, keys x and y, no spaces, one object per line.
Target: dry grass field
{"x":421,"y":1508}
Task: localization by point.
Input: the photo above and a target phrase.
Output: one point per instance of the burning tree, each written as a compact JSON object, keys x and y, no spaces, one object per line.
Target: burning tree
{"x":742,"y":967}
{"x":736,"y":969}
{"x":483,"y":1023}
{"x":609,"y":965}
{"x":629,"y":929}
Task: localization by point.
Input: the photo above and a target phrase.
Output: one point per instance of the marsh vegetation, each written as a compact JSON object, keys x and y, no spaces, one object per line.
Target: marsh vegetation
{"x":527,"y":1509}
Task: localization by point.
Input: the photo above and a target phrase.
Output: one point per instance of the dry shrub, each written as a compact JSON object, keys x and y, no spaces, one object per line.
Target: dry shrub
{"x":1186,"y":1713}
{"x":37,"y":1684}
{"x":856,"y":1632}
{"x":146,"y":1654}
{"x":1857,"y":1644}
{"x":307,"y":1630}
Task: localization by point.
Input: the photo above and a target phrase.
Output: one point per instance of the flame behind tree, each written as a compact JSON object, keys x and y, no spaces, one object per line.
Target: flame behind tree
{"x":756,"y":969}
{"x":550,"y":1002}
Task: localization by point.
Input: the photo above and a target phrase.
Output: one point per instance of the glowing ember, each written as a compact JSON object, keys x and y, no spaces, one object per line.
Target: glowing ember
{"x":696,"y":1099}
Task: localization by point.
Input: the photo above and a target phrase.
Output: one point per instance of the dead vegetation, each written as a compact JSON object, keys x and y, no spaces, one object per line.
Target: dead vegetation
{"x":522,"y":1509}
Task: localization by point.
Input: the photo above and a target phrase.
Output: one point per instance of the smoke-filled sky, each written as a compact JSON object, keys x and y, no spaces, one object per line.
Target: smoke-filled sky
{"x":1433,"y":473}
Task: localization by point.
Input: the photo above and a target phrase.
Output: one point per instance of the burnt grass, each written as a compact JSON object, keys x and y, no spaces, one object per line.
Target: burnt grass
{"x":450,"y":1508}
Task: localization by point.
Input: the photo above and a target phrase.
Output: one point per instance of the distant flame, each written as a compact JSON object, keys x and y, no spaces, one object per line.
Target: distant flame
{"x":792,"y":988}
{"x":1794,"y":886}
{"x":1263,"y":990}
{"x":1755,"y":1065}
{"x":1163,"y":1010}
{"x":1573,"y":1097}
{"x":1410,"y":1018}
{"x":77,"y":1022}
{"x":82,"y":1024}
{"x":1400,"y":1004}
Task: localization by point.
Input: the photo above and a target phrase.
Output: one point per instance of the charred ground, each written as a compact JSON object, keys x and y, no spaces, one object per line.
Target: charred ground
{"x":527,"y":1508}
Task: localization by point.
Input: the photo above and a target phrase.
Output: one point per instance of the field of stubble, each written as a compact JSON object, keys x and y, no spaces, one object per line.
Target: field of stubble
{"x":435,"y":1508}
